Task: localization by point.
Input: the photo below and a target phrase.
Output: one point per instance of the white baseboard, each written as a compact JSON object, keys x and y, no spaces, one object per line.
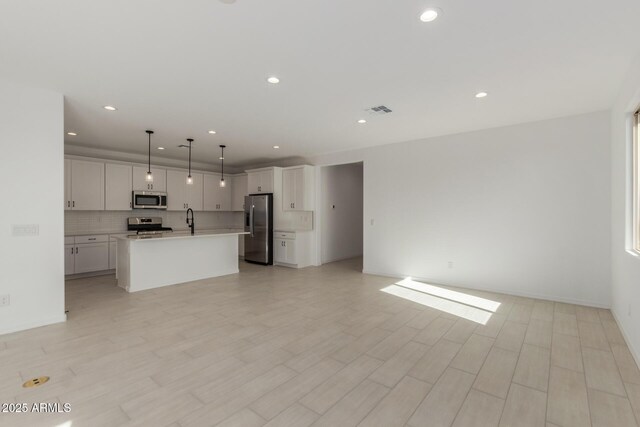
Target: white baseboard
{"x":33,"y":324}
{"x":90,"y":274}
{"x":343,"y":258}
{"x":625,"y":335}
{"x":500,"y":291}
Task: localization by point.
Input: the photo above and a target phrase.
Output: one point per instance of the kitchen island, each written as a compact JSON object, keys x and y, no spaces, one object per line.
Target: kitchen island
{"x":152,"y":261}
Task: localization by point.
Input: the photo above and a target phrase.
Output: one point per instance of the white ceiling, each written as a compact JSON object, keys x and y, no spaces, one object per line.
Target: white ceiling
{"x":184,"y":67}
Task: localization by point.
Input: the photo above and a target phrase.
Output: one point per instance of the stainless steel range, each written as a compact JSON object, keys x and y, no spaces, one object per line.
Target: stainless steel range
{"x":147,"y":225}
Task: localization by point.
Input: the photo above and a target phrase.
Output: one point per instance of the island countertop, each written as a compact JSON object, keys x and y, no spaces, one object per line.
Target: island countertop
{"x":180,"y":235}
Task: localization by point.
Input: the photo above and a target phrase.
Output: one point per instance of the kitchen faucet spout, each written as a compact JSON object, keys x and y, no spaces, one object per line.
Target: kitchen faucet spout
{"x":191,"y":223}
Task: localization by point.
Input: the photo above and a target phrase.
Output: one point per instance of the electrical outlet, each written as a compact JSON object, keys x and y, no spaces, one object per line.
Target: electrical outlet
{"x":372,"y":221}
{"x":450,"y":264}
{"x":4,"y":300}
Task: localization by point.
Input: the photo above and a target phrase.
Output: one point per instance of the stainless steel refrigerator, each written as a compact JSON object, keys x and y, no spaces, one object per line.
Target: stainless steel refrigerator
{"x":258,"y":221}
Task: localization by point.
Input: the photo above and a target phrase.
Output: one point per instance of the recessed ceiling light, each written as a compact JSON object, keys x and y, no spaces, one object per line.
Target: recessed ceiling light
{"x":72,"y":133}
{"x":273,"y":80}
{"x":430,"y":15}
{"x":362,"y":121}
{"x":110,"y":107}
{"x":481,"y":94}
{"x":160,"y":148}
{"x":212,"y":132}
{"x":276,"y":146}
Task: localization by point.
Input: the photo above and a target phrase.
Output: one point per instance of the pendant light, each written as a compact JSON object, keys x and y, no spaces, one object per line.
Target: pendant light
{"x":189,"y":178}
{"x":222,"y":183}
{"x":149,"y":177}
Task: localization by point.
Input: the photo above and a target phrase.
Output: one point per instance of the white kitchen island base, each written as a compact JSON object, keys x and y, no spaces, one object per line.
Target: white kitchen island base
{"x":148,"y":263}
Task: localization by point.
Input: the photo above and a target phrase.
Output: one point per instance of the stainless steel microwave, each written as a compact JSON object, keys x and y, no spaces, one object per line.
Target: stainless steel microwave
{"x":149,"y":200}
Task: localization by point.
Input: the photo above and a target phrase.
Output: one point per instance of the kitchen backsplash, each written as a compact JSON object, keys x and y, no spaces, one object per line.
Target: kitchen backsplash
{"x":293,"y":221}
{"x":103,"y":222}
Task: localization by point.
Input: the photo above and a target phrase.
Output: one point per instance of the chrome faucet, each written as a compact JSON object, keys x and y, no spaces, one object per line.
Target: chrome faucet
{"x":191,"y":223}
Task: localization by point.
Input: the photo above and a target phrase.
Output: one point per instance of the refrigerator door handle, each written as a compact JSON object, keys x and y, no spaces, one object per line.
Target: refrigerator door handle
{"x":251,"y":225}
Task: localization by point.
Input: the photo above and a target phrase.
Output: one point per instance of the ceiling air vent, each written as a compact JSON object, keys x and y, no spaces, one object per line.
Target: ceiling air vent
{"x":379,"y":110}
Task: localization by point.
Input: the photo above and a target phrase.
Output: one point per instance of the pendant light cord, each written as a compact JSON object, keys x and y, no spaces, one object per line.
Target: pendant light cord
{"x":222,"y":163}
{"x":189,"y":158}
{"x":149,"y":132}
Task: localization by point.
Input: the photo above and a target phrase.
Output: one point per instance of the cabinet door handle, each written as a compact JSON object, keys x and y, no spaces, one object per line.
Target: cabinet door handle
{"x":74,"y":203}
{"x":76,"y":249}
{"x":68,"y":204}
{"x":71,"y":251}
{"x":93,"y":238}
{"x":130,"y":205}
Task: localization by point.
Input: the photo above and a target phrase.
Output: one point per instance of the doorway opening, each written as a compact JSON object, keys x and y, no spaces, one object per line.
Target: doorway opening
{"x":341,"y":216}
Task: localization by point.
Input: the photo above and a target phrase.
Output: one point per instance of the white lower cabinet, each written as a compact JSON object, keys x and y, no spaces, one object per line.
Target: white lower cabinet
{"x":284,"y":251}
{"x":292,"y":249}
{"x":92,"y":257}
{"x":69,"y":259}
{"x":87,"y":254}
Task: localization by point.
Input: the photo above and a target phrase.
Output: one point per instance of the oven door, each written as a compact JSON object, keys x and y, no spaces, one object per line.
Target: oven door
{"x":149,"y":200}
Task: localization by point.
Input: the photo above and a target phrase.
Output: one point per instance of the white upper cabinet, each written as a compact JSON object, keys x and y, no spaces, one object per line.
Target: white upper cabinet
{"x":67,"y":184}
{"x":239,"y":191}
{"x":298,"y":188}
{"x":118,"y":186}
{"x":260,"y":181}
{"x":87,"y":185}
{"x":217,"y":198}
{"x":181,"y":195}
{"x":176,"y":191}
{"x":194,"y":191}
{"x":140,"y":179}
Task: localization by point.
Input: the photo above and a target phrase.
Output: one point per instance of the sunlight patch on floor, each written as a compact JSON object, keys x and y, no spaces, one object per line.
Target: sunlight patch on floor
{"x":466,"y":299}
{"x":468,"y":307}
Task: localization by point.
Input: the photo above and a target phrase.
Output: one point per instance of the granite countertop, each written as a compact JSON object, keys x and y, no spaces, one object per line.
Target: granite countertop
{"x":125,"y":233}
{"x":182,"y":235}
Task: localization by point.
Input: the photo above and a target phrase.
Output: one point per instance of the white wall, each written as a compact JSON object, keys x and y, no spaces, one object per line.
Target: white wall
{"x":521,"y":209}
{"x":625,"y":265}
{"x":31,"y":172}
{"x":341,"y":216}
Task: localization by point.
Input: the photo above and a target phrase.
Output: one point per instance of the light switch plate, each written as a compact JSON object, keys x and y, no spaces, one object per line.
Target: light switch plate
{"x":4,"y":300}
{"x":23,"y":230}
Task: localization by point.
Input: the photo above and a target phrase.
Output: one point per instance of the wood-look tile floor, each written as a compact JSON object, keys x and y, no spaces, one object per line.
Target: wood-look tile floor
{"x":319,"y":346}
